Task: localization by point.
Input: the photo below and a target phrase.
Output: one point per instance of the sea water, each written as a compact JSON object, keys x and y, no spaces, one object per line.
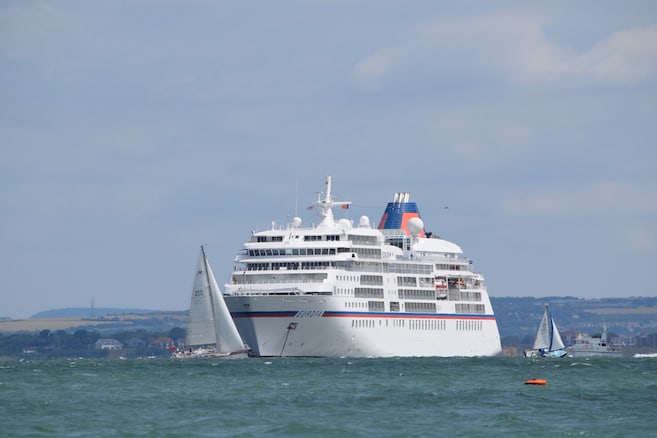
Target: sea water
{"x":338,"y":397}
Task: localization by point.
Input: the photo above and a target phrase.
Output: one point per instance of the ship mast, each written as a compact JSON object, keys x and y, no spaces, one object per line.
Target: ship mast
{"x":327,"y":204}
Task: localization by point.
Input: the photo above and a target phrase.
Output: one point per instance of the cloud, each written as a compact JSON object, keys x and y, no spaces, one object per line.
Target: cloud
{"x":512,"y":49}
{"x":625,"y":57}
{"x":609,"y":198}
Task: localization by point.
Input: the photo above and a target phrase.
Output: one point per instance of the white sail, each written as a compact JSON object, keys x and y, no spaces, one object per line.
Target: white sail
{"x":557,"y":342}
{"x":201,"y":326}
{"x":543,"y":334}
{"x":227,"y":337}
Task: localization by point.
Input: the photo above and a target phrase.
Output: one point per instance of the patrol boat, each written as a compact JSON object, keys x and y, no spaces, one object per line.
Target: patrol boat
{"x":596,"y":345}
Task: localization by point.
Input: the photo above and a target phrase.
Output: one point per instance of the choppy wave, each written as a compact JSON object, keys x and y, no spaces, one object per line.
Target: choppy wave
{"x":645,"y":355}
{"x":329,"y":397}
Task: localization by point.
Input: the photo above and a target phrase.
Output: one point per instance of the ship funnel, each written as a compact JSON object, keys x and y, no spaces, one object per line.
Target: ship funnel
{"x":399,"y":212}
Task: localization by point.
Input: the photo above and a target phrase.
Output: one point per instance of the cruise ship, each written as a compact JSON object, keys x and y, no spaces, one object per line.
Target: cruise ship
{"x":344,"y":289}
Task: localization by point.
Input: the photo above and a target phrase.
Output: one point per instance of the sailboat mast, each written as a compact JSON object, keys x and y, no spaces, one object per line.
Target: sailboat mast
{"x":207,"y":277}
{"x":551,"y":328}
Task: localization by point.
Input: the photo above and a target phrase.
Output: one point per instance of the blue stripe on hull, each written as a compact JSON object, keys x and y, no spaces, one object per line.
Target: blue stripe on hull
{"x":336,"y":314}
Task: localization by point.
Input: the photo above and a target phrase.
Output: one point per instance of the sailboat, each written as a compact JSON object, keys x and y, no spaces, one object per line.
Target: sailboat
{"x":548,"y":341}
{"x":211,"y":331}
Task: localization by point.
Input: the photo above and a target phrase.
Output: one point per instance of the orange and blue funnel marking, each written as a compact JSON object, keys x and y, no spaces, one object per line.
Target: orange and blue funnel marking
{"x":398,"y":213}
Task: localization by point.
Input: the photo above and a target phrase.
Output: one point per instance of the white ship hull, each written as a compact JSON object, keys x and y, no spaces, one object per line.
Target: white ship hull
{"x":304,"y":326}
{"x":588,"y":353}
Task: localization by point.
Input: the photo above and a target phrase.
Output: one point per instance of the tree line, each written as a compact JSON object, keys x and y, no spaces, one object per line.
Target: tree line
{"x":54,"y":344}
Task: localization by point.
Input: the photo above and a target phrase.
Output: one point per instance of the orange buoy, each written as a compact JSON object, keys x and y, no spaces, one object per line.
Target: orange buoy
{"x":542,"y":382}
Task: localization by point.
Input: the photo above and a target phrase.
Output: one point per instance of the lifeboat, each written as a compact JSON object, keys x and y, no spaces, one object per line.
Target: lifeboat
{"x":541,"y":382}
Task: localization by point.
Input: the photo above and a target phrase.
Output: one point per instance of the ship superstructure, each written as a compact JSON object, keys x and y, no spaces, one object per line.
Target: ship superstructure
{"x":345,"y":289}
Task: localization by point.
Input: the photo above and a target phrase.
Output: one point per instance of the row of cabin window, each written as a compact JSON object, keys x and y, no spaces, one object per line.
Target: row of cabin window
{"x":370,"y":240}
{"x":421,"y":324}
{"x":328,"y":237}
{"x":469,"y":325}
{"x":294,"y":251}
{"x":262,"y":239}
{"x":358,"y":266}
{"x":470,"y":308}
{"x":289,"y":266}
{"x":362,"y":252}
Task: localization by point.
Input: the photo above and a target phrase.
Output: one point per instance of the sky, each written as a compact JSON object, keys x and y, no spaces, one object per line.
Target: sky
{"x":132,"y":132}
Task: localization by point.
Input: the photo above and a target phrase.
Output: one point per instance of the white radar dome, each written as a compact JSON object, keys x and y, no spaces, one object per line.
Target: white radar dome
{"x":345,"y":224}
{"x":364,"y":222}
{"x":415,"y":226}
{"x":296,"y":222}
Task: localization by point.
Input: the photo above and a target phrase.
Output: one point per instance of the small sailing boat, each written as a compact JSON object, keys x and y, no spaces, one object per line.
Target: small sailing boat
{"x":211,"y":331}
{"x":548,"y":341}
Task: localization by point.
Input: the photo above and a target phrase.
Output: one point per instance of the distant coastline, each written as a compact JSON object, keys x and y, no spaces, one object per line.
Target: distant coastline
{"x":86,"y":312}
{"x":105,"y":321}
{"x":516,"y":316}
{"x":631,"y":321}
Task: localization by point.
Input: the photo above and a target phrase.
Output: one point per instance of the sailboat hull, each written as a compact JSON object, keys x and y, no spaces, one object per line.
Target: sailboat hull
{"x":546,"y":354}
{"x":207,"y":353}
{"x":555,"y":354}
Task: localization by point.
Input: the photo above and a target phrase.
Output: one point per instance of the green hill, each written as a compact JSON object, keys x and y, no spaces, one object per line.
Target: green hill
{"x":88,"y":312}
